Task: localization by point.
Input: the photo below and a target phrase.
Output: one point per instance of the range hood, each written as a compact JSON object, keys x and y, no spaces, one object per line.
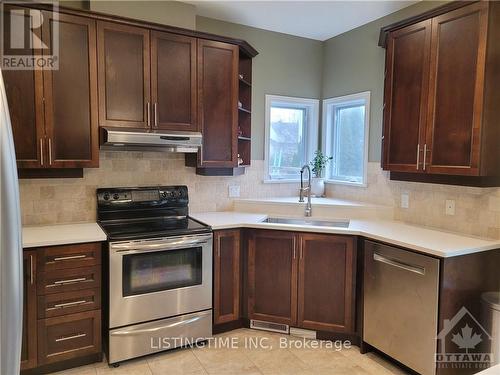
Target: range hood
{"x":115,"y":139}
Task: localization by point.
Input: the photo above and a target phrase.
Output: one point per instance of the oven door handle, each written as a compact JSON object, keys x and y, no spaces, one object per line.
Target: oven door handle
{"x":160,"y":244}
{"x":156,"y":329}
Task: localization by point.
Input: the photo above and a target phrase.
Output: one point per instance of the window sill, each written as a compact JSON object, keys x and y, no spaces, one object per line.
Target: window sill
{"x":346,"y":183}
{"x":281,"y":181}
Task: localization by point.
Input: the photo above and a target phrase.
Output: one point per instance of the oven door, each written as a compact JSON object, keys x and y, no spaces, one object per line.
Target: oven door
{"x":159,"y":278}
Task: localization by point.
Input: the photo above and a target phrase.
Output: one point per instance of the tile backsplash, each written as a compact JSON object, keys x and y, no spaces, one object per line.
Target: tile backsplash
{"x":49,"y":201}
{"x":477,"y":210}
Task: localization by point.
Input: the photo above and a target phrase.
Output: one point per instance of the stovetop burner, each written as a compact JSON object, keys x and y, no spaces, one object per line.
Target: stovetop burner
{"x":146,"y":212}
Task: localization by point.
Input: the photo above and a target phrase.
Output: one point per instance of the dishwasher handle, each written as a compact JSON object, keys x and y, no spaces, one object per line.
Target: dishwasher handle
{"x":398,"y":264}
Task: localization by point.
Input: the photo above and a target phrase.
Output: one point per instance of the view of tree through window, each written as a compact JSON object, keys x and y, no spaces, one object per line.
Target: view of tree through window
{"x":350,"y":139}
{"x":286,"y":141}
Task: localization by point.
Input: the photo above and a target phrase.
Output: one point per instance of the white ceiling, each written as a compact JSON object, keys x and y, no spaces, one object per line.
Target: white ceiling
{"x":319,"y":20}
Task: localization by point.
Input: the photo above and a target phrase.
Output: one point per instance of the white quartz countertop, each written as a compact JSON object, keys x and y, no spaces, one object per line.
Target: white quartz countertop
{"x":62,"y":234}
{"x":424,"y":240}
{"x":495,"y":370}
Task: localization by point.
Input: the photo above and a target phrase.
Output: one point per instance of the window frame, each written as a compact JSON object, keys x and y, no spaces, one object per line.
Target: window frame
{"x":311,"y":133}
{"x":327,"y":131}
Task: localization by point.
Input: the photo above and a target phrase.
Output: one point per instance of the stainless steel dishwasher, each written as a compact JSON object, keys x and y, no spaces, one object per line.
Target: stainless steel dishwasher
{"x":401,"y":305}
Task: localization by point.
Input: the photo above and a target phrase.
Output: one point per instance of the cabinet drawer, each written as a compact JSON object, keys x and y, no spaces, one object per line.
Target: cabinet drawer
{"x":58,"y":304}
{"x":69,"y":280}
{"x":71,"y":256}
{"x":69,"y":336}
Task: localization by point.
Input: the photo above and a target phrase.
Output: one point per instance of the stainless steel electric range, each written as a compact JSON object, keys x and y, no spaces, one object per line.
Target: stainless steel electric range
{"x":159,"y":262}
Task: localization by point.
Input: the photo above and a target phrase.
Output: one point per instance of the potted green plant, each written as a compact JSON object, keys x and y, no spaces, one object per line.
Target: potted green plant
{"x":318,"y":165}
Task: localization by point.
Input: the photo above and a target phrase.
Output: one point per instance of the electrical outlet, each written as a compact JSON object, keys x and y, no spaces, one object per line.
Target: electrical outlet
{"x":234,"y":191}
{"x":405,"y":200}
{"x":450,"y":207}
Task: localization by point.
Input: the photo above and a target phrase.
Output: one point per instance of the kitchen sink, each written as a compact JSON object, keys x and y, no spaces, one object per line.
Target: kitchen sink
{"x":311,"y":222}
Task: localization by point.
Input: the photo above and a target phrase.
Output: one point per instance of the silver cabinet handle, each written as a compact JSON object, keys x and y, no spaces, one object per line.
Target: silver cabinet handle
{"x":69,"y":304}
{"x":69,"y":281}
{"x":71,"y":337}
{"x":50,"y":151}
{"x":398,"y":264}
{"x":155,"y":113}
{"x":148,"y":113}
{"x":418,"y":156}
{"x":425,"y":153}
{"x":31,"y":270}
{"x":60,"y":259}
{"x":41,"y":151}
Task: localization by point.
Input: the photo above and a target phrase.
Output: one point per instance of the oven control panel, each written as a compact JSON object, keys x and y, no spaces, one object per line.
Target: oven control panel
{"x":143,"y":195}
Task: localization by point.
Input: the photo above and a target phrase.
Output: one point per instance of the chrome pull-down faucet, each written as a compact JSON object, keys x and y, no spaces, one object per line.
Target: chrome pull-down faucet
{"x":307,"y":190}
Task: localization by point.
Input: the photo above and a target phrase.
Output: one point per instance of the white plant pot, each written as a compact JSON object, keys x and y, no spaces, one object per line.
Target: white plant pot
{"x":318,"y":187}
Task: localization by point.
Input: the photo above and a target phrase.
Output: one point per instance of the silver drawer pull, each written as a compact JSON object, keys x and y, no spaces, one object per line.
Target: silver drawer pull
{"x":71,"y":337}
{"x":69,"y":304}
{"x":398,"y":264}
{"x":69,"y":281}
{"x":69,"y":258}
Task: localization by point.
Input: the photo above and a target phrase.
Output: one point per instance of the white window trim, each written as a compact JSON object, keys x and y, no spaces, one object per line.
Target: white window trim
{"x":312,"y":131}
{"x":328,"y":138}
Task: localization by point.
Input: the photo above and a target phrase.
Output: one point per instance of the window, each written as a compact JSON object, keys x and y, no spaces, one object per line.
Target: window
{"x":291,"y":136}
{"x":345,"y":129}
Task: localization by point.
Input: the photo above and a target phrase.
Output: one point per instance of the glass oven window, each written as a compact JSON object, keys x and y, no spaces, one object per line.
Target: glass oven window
{"x":161,"y":270}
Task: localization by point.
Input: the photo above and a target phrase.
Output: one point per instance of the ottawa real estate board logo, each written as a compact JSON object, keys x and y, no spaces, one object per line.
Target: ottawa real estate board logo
{"x":464,"y":343}
{"x":30,"y":37}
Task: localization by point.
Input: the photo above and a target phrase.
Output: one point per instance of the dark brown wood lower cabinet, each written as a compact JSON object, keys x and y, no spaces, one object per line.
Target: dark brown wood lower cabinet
{"x":29,"y":342}
{"x":326,"y":296}
{"x":272,"y":276}
{"x":227,"y":254}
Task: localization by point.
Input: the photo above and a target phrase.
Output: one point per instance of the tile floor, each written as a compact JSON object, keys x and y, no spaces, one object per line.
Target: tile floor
{"x":244,"y":360}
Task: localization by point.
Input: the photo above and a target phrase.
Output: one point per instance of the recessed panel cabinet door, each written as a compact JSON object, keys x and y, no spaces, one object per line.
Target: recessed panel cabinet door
{"x":326,"y":292}
{"x":226,"y":276}
{"x":173,"y":82}
{"x":456,"y":90}
{"x":29,"y":341}
{"x":406,"y":90}
{"x":71,"y":94}
{"x":124,"y":75}
{"x":24,"y":89}
{"x":272,"y":276}
{"x":218,"y":103}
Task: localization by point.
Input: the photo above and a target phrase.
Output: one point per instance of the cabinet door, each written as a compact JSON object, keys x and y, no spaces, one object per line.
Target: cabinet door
{"x":218,"y":103}
{"x":29,"y":342}
{"x":24,"y":89}
{"x":456,"y":90}
{"x":226,"y":276}
{"x":272,"y":277}
{"x":124,"y":79}
{"x":326,"y":292}
{"x":406,"y":92}
{"x":173,"y":81}
{"x":71,"y":94}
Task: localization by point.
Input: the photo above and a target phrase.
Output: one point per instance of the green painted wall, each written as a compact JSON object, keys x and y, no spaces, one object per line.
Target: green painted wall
{"x":353,"y":62}
{"x":286,"y":65}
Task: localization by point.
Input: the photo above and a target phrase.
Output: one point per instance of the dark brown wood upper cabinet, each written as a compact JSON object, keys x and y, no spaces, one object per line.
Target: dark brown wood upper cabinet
{"x":29,"y":341}
{"x":458,"y":55}
{"x":226,"y":276}
{"x":24,"y":89}
{"x":406,"y":90}
{"x":124,"y":75}
{"x":441,"y":95}
{"x":218,"y":103}
{"x":173,"y":82}
{"x":326,"y":282}
{"x":272,"y":276}
{"x":70,"y":94}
